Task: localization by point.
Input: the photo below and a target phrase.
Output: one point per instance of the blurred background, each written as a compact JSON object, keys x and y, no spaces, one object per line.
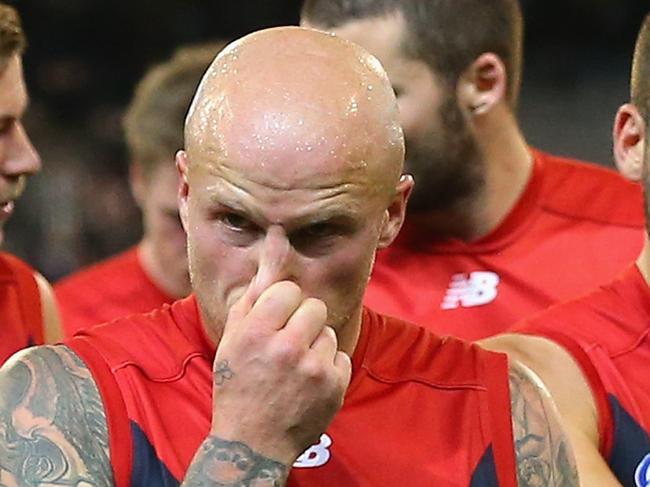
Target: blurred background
{"x":85,"y":56}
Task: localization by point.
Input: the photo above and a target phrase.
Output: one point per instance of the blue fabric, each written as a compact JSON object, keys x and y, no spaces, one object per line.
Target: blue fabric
{"x":148,"y":470}
{"x":630,"y":448}
{"x":485,"y":473}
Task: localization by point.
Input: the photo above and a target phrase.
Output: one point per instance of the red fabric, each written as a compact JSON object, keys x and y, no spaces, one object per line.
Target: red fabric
{"x":575,"y":227}
{"x":108,"y":290}
{"x":116,"y":417}
{"x":607,"y":333}
{"x":418,"y":411}
{"x":20,"y":305}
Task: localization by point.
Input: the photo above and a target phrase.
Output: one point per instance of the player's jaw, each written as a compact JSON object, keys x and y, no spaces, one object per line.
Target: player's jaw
{"x":9,"y":193}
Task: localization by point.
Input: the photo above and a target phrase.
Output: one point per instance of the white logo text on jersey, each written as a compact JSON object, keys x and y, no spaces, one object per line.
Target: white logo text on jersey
{"x":315,"y":455}
{"x":642,"y":473}
{"x":466,"y":291}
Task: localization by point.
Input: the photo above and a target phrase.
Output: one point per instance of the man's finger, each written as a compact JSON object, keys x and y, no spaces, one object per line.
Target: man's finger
{"x":307,"y":322}
{"x":343,"y":364}
{"x":275,"y":306}
{"x":273,"y":258}
{"x":326,"y":343}
{"x":269,"y":270}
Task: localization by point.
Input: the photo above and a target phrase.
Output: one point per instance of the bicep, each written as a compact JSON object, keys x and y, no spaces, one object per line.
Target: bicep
{"x":543,"y":452}
{"x":563,"y":379}
{"x":53,"y":427}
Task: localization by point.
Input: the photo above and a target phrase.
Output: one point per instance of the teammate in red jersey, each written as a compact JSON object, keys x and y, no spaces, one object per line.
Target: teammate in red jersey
{"x":290,"y":181}
{"x":27,"y":306}
{"x":155,"y":271}
{"x":595,"y":352}
{"x":495,"y":230}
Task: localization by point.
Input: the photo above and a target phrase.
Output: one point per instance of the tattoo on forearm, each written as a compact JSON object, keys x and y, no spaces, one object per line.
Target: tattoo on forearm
{"x":52,"y":424}
{"x":222,"y":372}
{"x":221,"y":463}
{"x":544,"y":456}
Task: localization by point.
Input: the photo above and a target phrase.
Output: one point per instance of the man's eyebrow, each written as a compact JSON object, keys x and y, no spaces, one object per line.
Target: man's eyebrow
{"x":228,"y":203}
{"x":334,"y":215}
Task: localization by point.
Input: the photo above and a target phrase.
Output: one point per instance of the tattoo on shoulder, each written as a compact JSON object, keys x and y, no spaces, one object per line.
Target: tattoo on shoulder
{"x":543,"y":452}
{"x":220,"y":462}
{"x":52,"y":423}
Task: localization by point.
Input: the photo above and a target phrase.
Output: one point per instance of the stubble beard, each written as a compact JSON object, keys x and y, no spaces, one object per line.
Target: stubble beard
{"x":447,"y":164}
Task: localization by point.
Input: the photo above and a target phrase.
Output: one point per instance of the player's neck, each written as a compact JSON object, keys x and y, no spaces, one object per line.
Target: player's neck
{"x":508,"y":168}
{"x":156,"y":272}
{"x":348,"y":335}
{"x":643,"y":261}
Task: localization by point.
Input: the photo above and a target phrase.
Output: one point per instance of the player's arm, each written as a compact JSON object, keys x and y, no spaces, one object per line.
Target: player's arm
{"x":52,"y":332}
{"x":543,"y":452}
{"x":52,"y":423}
{"x":571,"y":395}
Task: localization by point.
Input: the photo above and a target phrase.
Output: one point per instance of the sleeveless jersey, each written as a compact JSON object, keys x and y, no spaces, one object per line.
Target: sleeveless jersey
{"x":20,"y":306}
{"x":420,"y":410}
{"x":113,"y":288}
{"x":608,"y":333}
{"x":548,"y":249}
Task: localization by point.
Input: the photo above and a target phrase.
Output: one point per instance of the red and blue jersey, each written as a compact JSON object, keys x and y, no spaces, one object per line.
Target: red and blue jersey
{"x":608,"y":334}
{"x":547,"y":250}
{"x":20,"y":307}
{"x":420,"y":410}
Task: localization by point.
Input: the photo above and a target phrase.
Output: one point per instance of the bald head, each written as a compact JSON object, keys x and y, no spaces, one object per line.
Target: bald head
{"x":290,"y":90}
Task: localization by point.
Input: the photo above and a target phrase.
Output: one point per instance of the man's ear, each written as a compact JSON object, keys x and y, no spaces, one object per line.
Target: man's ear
{"x":396,"y":211}
{"x":629,"y":142}
{"x":182,"y":166}
{"x":483,"y":85}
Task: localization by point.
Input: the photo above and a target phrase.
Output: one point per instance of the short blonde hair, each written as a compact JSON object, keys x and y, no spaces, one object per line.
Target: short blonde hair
{"x":153,"y":122}
{"x":12,"y":37}
{"x":641,"y":71}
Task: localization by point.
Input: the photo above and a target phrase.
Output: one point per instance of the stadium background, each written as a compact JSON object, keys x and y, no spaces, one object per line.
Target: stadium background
{"x":85,"y":56}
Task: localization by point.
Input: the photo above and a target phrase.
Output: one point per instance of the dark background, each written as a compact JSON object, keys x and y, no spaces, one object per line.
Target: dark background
{"x":86,"y":55}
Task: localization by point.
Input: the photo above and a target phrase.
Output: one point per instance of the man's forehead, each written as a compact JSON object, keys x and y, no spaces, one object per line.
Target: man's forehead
{"x":13,"y":92}
{"x":256,"y":197}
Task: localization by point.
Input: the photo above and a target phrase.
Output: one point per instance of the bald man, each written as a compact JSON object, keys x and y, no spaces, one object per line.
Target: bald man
{"x":289,"y":183}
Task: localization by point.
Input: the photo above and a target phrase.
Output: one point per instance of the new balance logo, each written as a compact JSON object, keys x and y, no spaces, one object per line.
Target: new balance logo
{"x":642,"y":473}
{"x":315,"y":455}
{"x":465,"y":291}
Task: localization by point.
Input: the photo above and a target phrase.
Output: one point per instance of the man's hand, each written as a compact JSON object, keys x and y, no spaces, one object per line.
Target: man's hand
{"x":278,"y":376}
{"x":278,"y":382}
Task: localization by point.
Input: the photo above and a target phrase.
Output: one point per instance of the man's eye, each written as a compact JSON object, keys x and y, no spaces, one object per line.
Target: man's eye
{"x":319,"y":230}
{"x":236,"y":222}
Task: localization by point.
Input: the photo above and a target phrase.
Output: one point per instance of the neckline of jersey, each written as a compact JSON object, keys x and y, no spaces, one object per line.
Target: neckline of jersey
{"x":518,"y":220}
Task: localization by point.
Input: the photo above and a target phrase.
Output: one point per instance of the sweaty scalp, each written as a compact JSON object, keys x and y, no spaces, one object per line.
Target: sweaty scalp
{"x":286,"y":91}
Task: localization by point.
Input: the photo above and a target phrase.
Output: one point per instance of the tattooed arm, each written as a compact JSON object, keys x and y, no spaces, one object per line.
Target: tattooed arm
{"x":571,"y":393}
{"x":543,"y":452}
{"x":220,"y":462}
{"x":52,"y":422}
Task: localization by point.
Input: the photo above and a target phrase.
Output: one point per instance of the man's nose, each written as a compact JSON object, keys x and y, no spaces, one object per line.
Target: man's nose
{"x":21,"y":156}
{"x":275,"y":258}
